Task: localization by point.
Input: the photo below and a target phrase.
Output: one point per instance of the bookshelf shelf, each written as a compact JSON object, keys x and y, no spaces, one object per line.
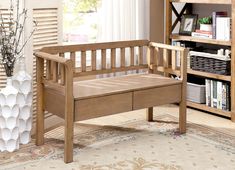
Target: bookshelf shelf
{"x":170,"y":24}
{"x":199,"y":40}
{"x":209,"y":109}
{"x":204,"y":1}
{"x":209,"y":75}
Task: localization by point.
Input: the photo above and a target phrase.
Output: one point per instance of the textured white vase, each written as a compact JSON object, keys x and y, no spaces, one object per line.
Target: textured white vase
{"x":22,"y":81}
{"x":9,"y":118}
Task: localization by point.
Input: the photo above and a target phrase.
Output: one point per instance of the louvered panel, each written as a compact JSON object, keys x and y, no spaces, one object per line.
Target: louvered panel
{"x":43,"y":40}
{"x":46,"y":34}
{"x":2,"y":77}
{"x":6,"y":19}
{"x":42,"y":32}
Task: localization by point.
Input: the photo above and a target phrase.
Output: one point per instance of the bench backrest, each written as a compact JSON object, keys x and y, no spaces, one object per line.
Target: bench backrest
{"x":102,"y":58}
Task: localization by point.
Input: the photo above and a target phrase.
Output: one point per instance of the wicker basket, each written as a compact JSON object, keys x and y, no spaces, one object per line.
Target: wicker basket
{"x":211,"y":63}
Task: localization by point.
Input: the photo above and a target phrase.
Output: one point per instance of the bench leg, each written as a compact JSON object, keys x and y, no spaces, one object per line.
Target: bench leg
{"x":182,"y":116}
{"x":69,"y":125}
{"x":40,"y":103}
{"x":40,"y":126}
{"x":40,"y":115}
{"x":149,"y":114}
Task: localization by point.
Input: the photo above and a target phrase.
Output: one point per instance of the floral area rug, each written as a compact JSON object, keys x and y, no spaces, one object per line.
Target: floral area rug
{"x":134,"y":145}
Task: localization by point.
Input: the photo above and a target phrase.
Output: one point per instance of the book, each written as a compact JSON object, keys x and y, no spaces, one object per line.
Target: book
{"x":214,"y":16}
{"x":177,"y":43}
{"x":219,"y":95}
{"x":201,"y":35}
{"x":208,"y":92}
{"x":228,"y":104}
{"x":224,"y":98}
{"x":223,"y":28}
{"x":203,"y":32}
{"x":214,"y":94}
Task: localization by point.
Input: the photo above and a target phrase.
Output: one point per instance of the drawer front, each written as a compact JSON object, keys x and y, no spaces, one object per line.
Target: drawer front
{"x":157,"y":96}
{"x":102,"y":106}
{"x":54,"y":102}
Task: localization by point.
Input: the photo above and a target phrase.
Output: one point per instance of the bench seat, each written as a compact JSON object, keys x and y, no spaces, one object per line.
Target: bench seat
{"x":106,"y":96}
{"x":114,"y":85}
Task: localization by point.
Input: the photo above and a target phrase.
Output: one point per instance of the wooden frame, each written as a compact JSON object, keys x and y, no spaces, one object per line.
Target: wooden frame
{"x":169,"y":9}
{"x":188,"y":24}
{"x":126,"y":93}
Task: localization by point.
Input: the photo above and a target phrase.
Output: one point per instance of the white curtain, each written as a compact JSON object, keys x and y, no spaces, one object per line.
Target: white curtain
{"x":123,"y":20}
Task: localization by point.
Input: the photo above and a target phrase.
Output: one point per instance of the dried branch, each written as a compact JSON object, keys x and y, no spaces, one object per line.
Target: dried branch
{"x":11,"y":35}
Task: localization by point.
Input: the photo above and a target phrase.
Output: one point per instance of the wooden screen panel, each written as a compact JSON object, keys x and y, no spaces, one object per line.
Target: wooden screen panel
{"x":46,"y":34}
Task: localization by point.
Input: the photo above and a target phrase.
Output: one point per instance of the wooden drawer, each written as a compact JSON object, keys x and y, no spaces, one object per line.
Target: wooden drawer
{"x":54,"y":102}
{"x":156,"y":96}
{"x":102,"y":106}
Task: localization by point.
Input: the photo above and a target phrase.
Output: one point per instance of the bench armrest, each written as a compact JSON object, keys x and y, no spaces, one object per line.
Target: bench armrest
{"x":168,"y":59}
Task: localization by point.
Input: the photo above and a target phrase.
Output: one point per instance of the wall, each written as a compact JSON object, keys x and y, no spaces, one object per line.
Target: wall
{"x":206,"y":10}
{"x":157,"y":20}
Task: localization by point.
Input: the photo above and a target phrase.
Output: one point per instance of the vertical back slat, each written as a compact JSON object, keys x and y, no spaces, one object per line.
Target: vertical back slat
{"x":54,"y":71}
{"x":83,"y":60}
{"x":123,"y":62}
{"x":150,"y":59}
{"x":165,"y":58}
{"x":132,"y":51}
{"x":113,"y":57}
{"x":165,"y":61}
{"x":173,"y":59}
{"x":59,"y":65}
{"x":141,"y":55}
{"x":93,"y":60}
{"x":73,"y":58}
{"x":103,"y":60}
{"x":62,"y":72}
{"x":48,"y":69}
{"x":156,"y":56}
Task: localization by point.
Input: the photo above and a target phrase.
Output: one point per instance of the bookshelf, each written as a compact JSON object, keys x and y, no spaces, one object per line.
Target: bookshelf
{"x":200,"y":40}
{"x":169,"y":26}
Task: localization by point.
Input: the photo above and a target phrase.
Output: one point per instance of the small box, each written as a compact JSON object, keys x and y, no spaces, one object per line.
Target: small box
{"x":196,"y":93}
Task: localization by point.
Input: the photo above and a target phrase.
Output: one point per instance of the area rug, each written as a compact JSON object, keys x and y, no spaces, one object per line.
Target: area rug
{"x":134,"y":145}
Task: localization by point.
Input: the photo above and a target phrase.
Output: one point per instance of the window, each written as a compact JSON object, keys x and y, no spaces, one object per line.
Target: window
{"x":80,"y":20}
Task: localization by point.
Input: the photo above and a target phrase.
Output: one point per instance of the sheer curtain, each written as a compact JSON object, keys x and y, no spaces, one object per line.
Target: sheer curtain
{"x":123,"y":20}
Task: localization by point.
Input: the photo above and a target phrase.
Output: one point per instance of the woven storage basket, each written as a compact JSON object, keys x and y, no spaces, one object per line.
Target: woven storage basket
{"x":211,"y":63}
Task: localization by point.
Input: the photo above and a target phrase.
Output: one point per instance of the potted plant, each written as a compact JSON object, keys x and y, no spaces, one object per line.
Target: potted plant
{"x":12,"y":44}
{"x":205,"y":23}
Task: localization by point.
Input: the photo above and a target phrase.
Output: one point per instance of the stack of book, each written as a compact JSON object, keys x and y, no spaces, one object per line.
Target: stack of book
{"x":202,"y":34}
{"x":218,"y":94}
{"x":215,"y":15}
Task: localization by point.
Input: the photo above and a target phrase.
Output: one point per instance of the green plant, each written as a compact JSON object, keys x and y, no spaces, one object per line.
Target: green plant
{"x":205,"y":20}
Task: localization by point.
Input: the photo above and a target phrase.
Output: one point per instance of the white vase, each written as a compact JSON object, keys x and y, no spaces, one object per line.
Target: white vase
{"x":22,"y":81}
{"x":206,"y":27}
{"x":9,"y":118}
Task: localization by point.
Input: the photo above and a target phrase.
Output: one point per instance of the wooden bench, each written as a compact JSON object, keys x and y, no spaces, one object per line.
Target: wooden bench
{"x":60,"y":94}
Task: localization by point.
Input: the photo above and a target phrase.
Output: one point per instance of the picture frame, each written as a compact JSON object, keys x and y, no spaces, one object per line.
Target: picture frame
{"x":188,"y":24}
